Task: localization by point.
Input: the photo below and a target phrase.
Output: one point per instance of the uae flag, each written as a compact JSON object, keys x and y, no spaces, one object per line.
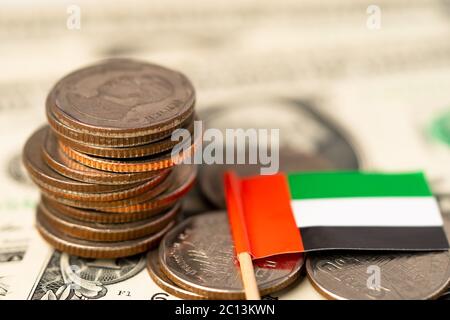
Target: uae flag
{"x":299,"y":212}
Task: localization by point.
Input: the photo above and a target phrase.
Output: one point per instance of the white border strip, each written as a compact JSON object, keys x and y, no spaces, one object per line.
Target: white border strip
{"x":370,"y":212}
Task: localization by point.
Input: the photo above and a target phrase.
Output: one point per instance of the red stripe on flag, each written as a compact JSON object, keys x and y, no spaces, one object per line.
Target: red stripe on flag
{"x":236,"y":213}
{"x":261,"y":218}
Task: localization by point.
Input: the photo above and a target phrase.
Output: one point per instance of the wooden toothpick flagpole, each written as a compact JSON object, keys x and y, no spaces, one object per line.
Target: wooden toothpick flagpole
{"x":240,"y":237}
{"x":248,"y":276}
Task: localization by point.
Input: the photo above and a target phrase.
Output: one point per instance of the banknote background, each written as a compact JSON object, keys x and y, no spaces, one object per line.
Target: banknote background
{"x":386,"y":89}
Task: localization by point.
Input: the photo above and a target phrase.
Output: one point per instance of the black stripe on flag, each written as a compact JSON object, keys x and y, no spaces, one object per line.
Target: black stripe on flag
{"x":374,"y":238}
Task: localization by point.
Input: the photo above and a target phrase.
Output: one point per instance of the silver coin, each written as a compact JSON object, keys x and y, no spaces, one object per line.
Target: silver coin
{"x":160,"y":278}
{"x":308,"y":140}
{"x":380,"y":276}
{"x":198,"y":255}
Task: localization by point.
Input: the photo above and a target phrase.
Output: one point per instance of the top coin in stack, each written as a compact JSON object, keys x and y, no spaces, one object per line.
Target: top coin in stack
{"x":109,"y":184}
{"x":133,"y":102}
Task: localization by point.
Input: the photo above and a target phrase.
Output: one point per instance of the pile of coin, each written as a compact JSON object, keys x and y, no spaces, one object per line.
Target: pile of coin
{"x":110,"y":185}
{"x":196,"y":260}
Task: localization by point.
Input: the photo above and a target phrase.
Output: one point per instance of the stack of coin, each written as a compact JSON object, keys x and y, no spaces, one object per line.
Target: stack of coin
{"x":196,"y":260}
{"x":110,"y":185}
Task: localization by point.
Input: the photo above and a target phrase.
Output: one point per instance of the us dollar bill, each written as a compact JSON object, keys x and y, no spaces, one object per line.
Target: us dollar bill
{"x":18,"y":195}
{"x":48,"y":274}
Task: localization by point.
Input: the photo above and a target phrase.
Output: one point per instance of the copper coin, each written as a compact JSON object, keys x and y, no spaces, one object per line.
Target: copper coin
{"x":150,"y":187}
{"x":59,"y":162}
{"x":124,"y":152}
{"x":122,"y":97}
{"x":107,"y":232}
{"x":103,"y":205}
{"x":94,"y":249}
{"x":44,"y":175}
{"x":183,"y":183}
{"x":105,"y":141}
{"x":159,"y":277}
{"x":99,"y":216}
{"x":151,"y":163}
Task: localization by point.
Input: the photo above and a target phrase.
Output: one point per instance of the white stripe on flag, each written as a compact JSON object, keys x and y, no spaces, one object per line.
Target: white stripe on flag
{"x":370,"y":212}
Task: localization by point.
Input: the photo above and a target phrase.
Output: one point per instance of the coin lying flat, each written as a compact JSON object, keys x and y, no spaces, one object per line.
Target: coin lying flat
{"x":97,"y":250}
{"x":106,"y":232}
{"x":59,"y":162}
{"x":198,"y":255}
{"x":99,"y":216}
{"x":412,"y":276}
{"x":44,"y":175}
{"x":184,"y":181}
{"x":123,"y":97}
{"x":151,"y":163}
{"x":144,"y":188}
{"x":128,"y":152}
{"x":104,"y":141}
{"x":149,"y":194}
{"x":154,"y":270}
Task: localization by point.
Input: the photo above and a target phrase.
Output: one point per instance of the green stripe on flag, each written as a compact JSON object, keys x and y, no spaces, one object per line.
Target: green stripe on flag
{"x":314,"y":185}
